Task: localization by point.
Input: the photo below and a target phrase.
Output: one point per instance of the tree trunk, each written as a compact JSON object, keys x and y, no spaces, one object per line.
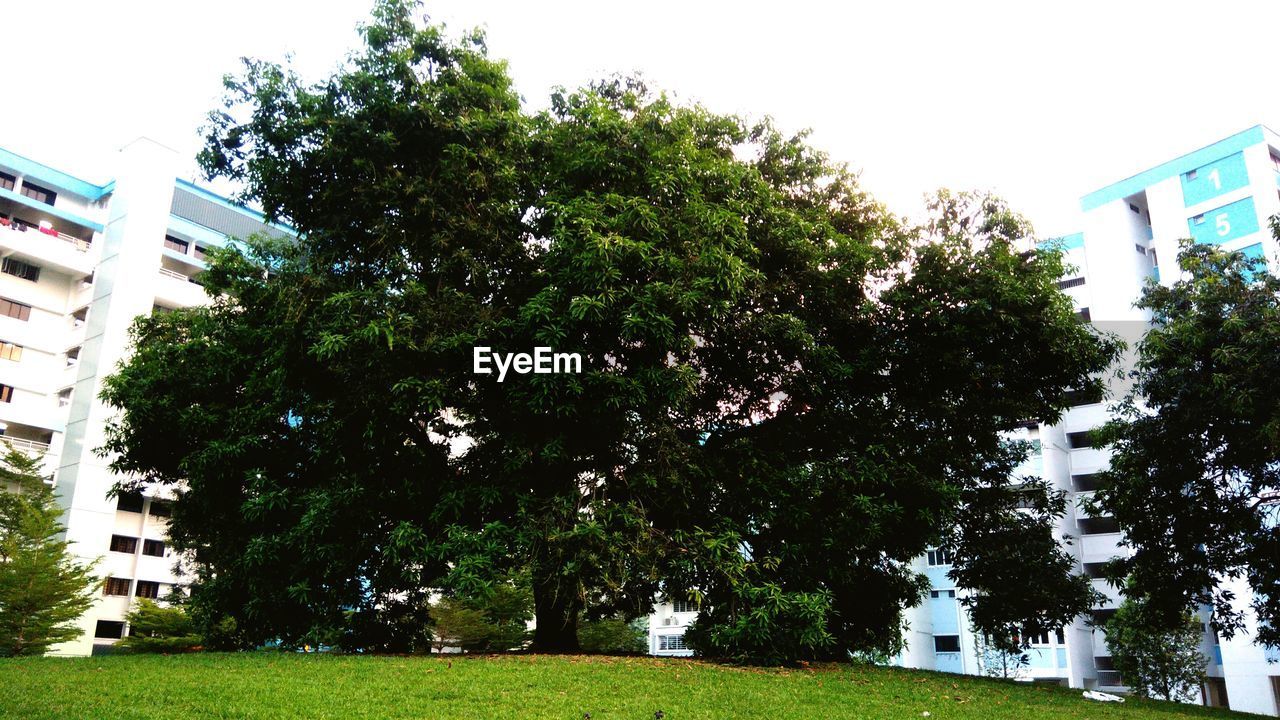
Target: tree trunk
{"x":555,"y":606}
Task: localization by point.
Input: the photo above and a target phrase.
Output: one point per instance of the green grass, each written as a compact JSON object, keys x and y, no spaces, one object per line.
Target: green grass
{"x":289,"y":685}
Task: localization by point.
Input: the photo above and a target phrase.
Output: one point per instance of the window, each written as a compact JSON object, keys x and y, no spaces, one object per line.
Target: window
{"x":946,"y":643}
{"x":1198,"y":220}
{"x":15,"y":310}
{"x":8,"y":182}
{"x":1275,"y":160}
{"x":123,"y":544}
{"x":200,"y":252}
{"x":1073,"y":282}
{"x":154,"y":548}
{"x":116,"y":586}
{"x":1191,"y":174}
{"x":1085,"y":483}
{"x":160,"y":508}
{"x":671,"y":642}
{"x":39,"y":194}
{"x":1098,"y":525}
{"x":1080,"y":440}
{"x":1100,"y":618}
{"x":1059,"y":637}
{"x":6,"y":393}
{"x":174,"y":243}
{"x":9,"y":351}
{"x":129,"y":502}
{"x":1135,"y":208}
{"x":683,"y":606}
{"x":1141,"y":250}
{"x":939,"y":556}
{"x":148,"y":589}
{"x":109,"y":629}
{"x":1096,"y":570}
{"x":937,"y":594}
{"x":17,"y":268}
{"x":1041,"y":639}
{"x":1083,"y":315}
{"x":1090,"y":396}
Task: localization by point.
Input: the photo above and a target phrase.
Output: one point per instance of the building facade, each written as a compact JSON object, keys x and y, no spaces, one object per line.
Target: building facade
{"x":80,"y":261}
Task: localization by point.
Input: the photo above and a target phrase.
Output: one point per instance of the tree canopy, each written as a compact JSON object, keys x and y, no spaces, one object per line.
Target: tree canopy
{"x":1194,"y":480}
{"x":787,"y":393}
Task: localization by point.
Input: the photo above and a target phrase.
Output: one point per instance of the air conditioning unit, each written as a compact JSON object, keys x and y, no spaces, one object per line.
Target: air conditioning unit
{"x":670,"y":620}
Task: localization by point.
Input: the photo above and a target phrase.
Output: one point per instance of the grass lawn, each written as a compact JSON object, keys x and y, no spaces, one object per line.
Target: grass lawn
{"x":290,"y":685}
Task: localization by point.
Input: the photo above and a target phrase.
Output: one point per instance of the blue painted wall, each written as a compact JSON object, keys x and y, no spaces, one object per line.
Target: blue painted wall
{"x":1213,"y":179}
{"x":1226,"y":223}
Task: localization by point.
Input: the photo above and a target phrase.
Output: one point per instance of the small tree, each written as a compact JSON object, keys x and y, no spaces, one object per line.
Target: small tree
{"x":1153,"y":660}
{"x":43,"y":590}
{"x":157,"y":629}
{"x":456,"y":625}
{"x":612,"y":635}
{"x":996,"y":661}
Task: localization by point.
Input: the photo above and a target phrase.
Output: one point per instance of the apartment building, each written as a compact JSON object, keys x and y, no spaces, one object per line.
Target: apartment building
{"x":79,"y":261}
{"x":1221,"y":194}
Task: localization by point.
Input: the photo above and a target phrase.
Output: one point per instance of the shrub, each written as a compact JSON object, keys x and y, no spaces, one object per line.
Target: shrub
{"x":612,"y":636}
{"x":156,"y":629}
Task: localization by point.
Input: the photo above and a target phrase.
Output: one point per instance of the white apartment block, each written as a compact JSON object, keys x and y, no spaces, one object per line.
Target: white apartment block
{"x":80,"y":261}
{"x":1222,"y":194}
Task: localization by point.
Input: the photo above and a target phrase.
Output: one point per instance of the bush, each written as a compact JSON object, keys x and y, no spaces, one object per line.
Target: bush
{"x":766,"y":625}
{"x":613,"y":636}
{"x":454,"y":625}
{"x":155,"y":629}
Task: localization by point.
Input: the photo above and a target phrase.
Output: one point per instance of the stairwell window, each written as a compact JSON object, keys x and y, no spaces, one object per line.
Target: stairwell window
{"x":11,"y":352}
{"x":148,"y":589}
{"x":1081,"y":440}
{"x":116,"y":586}
{"x":7,"y":181}
{"x":683,"y":606}
{"x":175,"y":244}
{"x":15,"y":310}
{"x":946,"y":643}
{"x":154,"y":548}
{"x":6,"y":393}
{"x":17,"y":268}
{"x":39,"y":194}
{"x":124,"y":544}
{"x":939,"y":556}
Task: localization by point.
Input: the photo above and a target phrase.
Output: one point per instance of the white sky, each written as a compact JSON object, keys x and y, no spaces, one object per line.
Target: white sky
{"x":1039,"y":104}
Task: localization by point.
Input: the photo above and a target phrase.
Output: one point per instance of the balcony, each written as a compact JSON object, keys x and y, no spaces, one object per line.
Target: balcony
{"x":177,"y":290}
{"x":31,"y":447}
{"x":47,"y":247}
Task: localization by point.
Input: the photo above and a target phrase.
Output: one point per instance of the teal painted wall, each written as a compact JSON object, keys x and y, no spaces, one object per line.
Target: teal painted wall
{"x":1226,"y":223}
{"x":1213,"y":179}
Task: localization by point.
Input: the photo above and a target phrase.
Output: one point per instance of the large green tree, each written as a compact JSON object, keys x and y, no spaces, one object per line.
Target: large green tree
{"x":787,"y":393}
{"x":1195,"y":473}
{"x":43,"y":589}
{"x":1153,"y":659}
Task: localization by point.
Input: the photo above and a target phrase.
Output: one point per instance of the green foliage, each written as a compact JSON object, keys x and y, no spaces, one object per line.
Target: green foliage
{"x":996,"y":660}
{"x":43,"y":590}
{"x":157,"y":629}
{"x":1194,"y":472}
{"x":1153,"y":659}
{"x":457,"y":626}
{"x":787,"y":394}
{"x":613,"y":635}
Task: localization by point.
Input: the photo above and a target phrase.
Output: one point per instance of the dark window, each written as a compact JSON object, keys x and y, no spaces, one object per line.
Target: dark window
{"x":154,"y":548}
{"x":1083,"y":315}
{"x":682,"y":606}
{"x":148,"y":589}
{"x":16,"y":310}
{"x":1135,"y":208}
{"x":1078,"y":440}
{"x":1275,"y":160}
{"x":17,"y":268}
{"x":1085,"y":483}
{"x":1100,"y":618}
{"x":1083,"y":397}
{"x":129,"y":502}
{"x":174,"y":243}
{"x":1098,"y":526}
{"x":200,"y":252}
{"x":7,"y":181}
{"x":1104,"y":662}
{"x":1040,"y":639}
{"x":946,"y":643}
{"x":109,"y":629}
{"x":1141,"y":250}
{"x":9,"y":351}
{"x":116,"y":586}
{"x":939,"y":556}
{"x":39,"y":194}
{"x":123,"y":544}
{"x":1058,"y":635}
{"x":1095,"y":570}
{"x":1073,"y":282}
{"x":6,"y":393}
{"x":160,"y":508}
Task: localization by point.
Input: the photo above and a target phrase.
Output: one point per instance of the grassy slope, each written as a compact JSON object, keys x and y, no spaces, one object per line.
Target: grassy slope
{"x":284,"y":685}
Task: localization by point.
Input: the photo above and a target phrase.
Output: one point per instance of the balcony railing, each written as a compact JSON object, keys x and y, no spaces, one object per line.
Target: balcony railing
{"x":23,"y":444}
{"x":19,"y":226}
